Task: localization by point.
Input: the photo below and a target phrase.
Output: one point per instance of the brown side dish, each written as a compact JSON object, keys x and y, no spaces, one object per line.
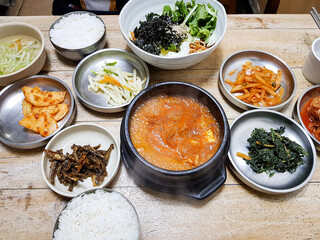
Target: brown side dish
{"x":84,"y":161}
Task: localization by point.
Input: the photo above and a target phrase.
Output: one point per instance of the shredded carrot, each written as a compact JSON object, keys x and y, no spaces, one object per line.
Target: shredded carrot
{"x":197,"y":46}
{"x":108,"y":79}
{"x":133,"y":37}
{"x":232,"y":72}
{"x":244,"y":156}
{"x":259,"y":86}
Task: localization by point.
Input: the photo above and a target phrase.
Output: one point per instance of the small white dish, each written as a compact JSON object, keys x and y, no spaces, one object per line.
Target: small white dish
{"x":81,"y":134}
{"x":18,"y":29}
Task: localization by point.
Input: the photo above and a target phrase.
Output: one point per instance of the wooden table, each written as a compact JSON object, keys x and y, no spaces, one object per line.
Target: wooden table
{"x":28,"y":208}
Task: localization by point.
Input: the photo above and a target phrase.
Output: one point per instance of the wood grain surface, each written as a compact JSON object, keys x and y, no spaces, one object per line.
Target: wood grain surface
{"x":28,"y":207}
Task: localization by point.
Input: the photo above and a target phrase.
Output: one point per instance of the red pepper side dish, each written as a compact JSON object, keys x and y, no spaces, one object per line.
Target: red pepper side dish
{"x":175,"y":132}
{"x":310,"y":115}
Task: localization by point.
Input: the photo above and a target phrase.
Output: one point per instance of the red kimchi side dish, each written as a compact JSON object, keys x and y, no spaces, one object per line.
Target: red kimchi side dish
{"x":310,"y":115}
{"x":174,"y":132}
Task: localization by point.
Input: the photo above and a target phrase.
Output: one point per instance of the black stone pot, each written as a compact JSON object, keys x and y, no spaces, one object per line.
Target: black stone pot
{"x":199,"y":182}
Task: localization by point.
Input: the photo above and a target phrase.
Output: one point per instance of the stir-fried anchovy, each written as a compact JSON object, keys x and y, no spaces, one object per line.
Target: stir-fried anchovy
{"x":85,"y":161}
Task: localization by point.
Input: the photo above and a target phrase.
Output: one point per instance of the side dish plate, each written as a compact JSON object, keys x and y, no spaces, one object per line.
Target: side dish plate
{"x":279,"y":183}
{"x":82,"y":134}
{"x":11,"y":132}
{"x":262,"y":59}
{"x":311,"y":92}
{"x":97,"y":101}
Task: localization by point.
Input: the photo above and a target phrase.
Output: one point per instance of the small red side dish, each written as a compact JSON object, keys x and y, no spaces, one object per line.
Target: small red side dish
{"x":307,"y":113}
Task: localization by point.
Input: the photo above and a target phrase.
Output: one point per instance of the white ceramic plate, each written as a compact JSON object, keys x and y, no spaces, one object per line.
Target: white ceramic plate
{"x":81,"y":134}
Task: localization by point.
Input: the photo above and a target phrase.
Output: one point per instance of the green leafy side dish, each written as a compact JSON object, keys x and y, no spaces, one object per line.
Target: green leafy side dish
{"x":199,"y":19}
{"x":271,"y":151}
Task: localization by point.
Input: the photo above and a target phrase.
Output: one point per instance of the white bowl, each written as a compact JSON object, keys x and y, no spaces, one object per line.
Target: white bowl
{"x":20,"y":28}
{"x":81,"y":134}
{"x":109,"y":209}
{"x":136,"y":10}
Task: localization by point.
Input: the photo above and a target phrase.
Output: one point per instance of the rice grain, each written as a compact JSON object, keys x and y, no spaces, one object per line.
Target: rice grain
{"x":78,"y":30}
{"x":98,"y":215}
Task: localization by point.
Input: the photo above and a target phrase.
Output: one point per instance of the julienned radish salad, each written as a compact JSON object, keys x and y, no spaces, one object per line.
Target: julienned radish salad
{"x":180,"y":30}
{"x":17,"y":52}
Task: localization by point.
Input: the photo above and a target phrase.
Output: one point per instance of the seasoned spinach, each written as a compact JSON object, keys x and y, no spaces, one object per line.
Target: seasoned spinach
{"x":271,"y":151}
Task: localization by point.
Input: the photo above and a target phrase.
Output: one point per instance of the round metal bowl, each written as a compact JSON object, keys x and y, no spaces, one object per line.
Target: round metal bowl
{"x":81,"y":134}
{"x":197,"y":183}
{"x":11,"y":132}
{"x":279,"y":183}
{"x":20,"y":28}
{"x":311,"y":92}
{"x":125,"y":60}
{"x":135,"y":220}
{"x":79,"y":53}
{"x":259,"y":58}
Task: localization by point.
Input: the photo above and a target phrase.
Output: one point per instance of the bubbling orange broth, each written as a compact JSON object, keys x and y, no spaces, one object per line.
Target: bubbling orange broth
{"x":174,"y":132}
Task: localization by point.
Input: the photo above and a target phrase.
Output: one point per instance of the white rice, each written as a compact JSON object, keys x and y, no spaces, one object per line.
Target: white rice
{"x":77,"y":30}
{"x":100,"y":215}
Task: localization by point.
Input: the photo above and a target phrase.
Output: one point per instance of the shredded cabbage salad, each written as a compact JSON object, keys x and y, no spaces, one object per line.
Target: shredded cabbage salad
{"x":119,"y":87}
{"x":17,"y":53}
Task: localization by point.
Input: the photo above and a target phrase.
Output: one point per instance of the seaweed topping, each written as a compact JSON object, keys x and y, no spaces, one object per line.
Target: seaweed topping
{"x":156,"y":34}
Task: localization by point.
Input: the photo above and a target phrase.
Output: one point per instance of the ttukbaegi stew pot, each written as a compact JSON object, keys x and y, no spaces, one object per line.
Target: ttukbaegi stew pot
{"x":197,"y":183}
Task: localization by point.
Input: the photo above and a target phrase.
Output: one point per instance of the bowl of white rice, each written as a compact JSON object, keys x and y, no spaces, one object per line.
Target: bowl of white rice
{"x":77,"y":34}
{"x":98,"y":214}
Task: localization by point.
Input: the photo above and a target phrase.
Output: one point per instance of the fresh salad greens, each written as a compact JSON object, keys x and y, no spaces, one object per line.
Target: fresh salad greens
{"x":271,"y":151}
{"x":199,"y":19}
{"x":17,"y":53}
{"x":166,"y":32}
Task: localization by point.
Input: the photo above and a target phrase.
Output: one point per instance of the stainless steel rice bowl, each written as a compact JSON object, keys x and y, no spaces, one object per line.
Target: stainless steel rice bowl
{"x":78,"y":53}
